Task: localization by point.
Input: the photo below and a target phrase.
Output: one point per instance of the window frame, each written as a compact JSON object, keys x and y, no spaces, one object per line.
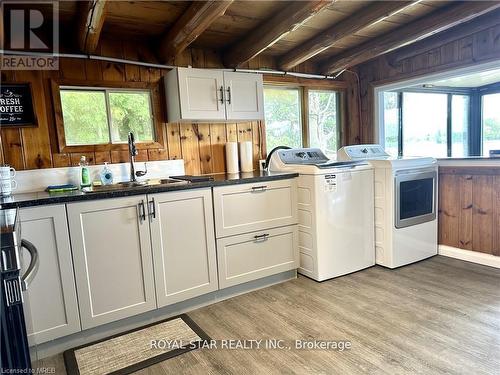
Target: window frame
{"x":482,"y":91}
{"x":449,"y":92}
{"x":306,"y":85}
{"x":109,"y":86}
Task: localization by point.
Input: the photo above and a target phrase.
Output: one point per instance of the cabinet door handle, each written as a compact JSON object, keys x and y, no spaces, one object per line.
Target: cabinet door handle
{"x":221,"y":91}
{"x":228,"y":95}
{"x":261,"y":237}
{"x":259,"y":188}
{"x":142,"y":211}
{"x":152,"y":209}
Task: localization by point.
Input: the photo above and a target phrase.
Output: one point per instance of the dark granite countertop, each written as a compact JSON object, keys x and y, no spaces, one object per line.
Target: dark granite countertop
{"x":45,"y":198}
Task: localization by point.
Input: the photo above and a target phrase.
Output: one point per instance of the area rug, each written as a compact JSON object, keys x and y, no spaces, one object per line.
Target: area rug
{"x":136,"y":349}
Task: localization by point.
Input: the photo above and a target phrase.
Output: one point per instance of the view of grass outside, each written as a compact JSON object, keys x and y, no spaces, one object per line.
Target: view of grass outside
{"x":86,"y":121}
{"x":491,"y":123}
{"x":282,"y":109}
{"x":323,"y":131}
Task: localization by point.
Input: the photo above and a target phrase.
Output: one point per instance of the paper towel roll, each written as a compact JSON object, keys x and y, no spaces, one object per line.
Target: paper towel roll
{"x":232,"y":157}
{"x":246,"y":157}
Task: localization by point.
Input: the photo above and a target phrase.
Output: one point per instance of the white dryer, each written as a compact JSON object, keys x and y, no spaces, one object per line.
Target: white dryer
{"x":405,"y":204}
{"x":336,"y":215}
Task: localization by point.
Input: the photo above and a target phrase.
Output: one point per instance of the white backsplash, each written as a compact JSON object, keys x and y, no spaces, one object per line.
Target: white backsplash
{"x":38,"y":179}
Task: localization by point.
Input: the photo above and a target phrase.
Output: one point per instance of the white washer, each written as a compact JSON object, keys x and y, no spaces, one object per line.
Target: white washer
{"x":405,"y":204}
{"x":336,"y":223}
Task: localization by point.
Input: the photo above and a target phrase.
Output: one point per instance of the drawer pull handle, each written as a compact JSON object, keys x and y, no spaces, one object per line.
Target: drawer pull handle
{"x":261,"y":237}
{"x":259,"y":188}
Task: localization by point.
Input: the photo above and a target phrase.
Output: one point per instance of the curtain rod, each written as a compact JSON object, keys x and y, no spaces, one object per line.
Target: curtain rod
{"x":163,"y":66}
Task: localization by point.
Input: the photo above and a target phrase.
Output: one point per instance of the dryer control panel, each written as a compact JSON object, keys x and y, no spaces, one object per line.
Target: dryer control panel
{"x":362,"y":152}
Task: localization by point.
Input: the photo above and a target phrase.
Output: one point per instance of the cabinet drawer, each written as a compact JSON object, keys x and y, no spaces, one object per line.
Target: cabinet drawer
{"x":255,"y":255}
{"x":252,"y":207}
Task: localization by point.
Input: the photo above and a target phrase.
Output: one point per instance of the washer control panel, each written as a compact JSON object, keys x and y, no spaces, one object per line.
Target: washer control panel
{"x":302,"y":156}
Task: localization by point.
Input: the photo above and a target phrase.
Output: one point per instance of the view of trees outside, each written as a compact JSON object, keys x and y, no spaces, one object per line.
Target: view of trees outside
{"x":391,"y":122}
{"x":283,"y":117}
{"x":86,"y":119}
{"x":424,"y":124}
{"x":491,"y":123}
{"x":130,"y":112}
{"x":460,"y":125}
{"x":323,"y":132}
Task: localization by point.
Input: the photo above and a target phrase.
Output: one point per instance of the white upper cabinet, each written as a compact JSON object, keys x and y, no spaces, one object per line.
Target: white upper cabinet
{"x":244,"y":96}
{"x":204,"y":94}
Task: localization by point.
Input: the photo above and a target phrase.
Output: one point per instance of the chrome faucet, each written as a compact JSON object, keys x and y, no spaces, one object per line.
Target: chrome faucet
{"x":132,"y":150}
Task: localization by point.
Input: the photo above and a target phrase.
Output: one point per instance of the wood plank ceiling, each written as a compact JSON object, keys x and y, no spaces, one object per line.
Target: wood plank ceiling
{"x":329,"y":35}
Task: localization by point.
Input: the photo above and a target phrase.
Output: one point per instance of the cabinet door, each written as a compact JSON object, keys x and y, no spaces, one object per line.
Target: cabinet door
{"x":244,"y":96}
{"x":255,"y":255}
{"x":51,"y":306}
{"x":182,"y":234}
{"x":200,"y":94}
{"x":251,"y":207}
{"x":113,"y":260}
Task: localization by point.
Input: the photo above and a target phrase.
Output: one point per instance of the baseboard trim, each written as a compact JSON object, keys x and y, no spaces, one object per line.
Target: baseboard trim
{"x":469,"y":256}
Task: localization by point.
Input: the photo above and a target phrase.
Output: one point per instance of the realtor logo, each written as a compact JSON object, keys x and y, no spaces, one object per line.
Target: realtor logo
{"x":29,"y":35}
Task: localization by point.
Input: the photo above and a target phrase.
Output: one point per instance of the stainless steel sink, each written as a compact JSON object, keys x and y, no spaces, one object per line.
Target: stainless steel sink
{"x":131,"y":185}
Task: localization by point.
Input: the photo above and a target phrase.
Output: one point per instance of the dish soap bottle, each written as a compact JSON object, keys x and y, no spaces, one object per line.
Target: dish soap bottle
{"x":106,"y":175}
{"x":84,"y":172}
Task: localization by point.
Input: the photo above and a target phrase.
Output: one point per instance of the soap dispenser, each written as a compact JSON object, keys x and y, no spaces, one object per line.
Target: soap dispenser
{"x":84,"y":172}
{"x":106,"y":175}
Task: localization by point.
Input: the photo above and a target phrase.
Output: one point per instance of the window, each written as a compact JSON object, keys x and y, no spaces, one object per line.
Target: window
{"x":286,"y":125}
{"x":323,"y":126}
{"x":491,"y":122}
{"x":426,"y":124}
{"x":282,"y":108}
{"x":93,"y":116}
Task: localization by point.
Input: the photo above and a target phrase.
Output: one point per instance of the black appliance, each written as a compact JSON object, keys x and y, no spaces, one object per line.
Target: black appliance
{"x":15,"y":352}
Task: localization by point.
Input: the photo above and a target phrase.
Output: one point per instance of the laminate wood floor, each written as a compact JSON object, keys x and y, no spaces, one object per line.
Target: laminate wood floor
{"x":438,"y":316}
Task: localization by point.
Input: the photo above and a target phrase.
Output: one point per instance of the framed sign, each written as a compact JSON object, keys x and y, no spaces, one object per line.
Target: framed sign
{"x":16,"y":105}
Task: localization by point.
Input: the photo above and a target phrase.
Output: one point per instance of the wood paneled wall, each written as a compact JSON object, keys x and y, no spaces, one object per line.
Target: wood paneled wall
{"x":201,"y":145}
{"x":479,"y":47}
{"x":469,"y":208}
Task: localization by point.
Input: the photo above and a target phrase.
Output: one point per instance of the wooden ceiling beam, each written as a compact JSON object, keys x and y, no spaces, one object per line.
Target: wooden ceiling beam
{"x":476,"y":25}
{"x":366,"y":17}
{"x":424,"y":27}
{"x":193,"y":22}
{"x":93,"y":14}
{"x":272,"y":30}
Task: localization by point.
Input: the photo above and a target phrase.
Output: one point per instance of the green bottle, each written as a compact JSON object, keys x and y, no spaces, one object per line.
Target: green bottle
{"x":84,"y":172}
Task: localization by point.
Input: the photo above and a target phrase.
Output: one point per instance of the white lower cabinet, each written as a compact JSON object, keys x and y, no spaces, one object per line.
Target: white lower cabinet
{"x":51,"y":306}
{"x":182,"y":235}
{"x":254,"y":255}
{"x":113,"y":259}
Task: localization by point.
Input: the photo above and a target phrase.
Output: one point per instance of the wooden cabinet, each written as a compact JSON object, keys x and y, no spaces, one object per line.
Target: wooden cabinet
{"x":51,"y":306}
{"x":256,"y":230}
{"x":113,"y":259}
{"x":182,"y":235}
{"x":252,"y":207}
{"x":204,"y":94}
{"x":255,"y":255}
{"x":244,"y":96}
